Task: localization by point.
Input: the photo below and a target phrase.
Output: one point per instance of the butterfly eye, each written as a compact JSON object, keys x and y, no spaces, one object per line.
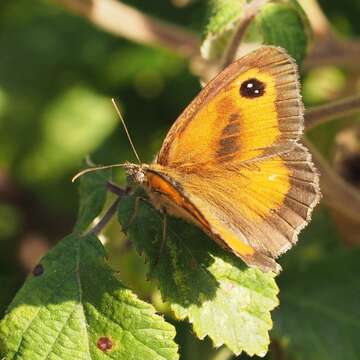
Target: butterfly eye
{"x":252,"y":88}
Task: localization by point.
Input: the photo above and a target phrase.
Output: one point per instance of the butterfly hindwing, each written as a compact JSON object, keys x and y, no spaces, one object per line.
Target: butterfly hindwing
{"x":257,"y":210}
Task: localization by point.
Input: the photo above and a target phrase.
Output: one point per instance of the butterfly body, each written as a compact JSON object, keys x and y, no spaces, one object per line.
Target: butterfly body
{"x":232,"y":163}
{"x":165,"y":194}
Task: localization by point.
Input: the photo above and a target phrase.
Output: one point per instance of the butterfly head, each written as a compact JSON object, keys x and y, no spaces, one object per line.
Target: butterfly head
{"x":137,"y":172}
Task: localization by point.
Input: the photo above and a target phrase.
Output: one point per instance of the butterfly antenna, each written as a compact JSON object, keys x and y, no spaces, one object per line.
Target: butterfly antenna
{"x":92,"y":169}
{"x":126,"y":130}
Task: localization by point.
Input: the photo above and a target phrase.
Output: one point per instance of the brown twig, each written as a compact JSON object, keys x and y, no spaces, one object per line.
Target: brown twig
{"x":320,"y":114}
{"x":329,"y":48}
{"x":106,"y":218}
{"x":318,"y":20}
{"x":334,"y":51}
{"x":117,"y":190}
{"x":125,"y":21}
{"x":337,"y":193}
{"x":250,"y":11}
{"x":120,"y":192}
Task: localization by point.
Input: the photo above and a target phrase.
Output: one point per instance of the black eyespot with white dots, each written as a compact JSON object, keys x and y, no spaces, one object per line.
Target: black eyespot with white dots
{"x":252,"y":88}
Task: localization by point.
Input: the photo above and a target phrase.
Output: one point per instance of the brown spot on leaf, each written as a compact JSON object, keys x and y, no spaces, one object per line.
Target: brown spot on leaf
{"x":38,"y":270}
{"x":104,"y":343}
{"x":192,"y":264}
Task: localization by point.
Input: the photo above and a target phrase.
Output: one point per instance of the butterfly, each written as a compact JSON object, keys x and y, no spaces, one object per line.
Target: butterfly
{"x":232,"y":162}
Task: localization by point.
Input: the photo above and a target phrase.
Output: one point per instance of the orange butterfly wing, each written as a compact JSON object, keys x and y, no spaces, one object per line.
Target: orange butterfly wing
{"x":235,"y":159}
{"x":220,"y":122}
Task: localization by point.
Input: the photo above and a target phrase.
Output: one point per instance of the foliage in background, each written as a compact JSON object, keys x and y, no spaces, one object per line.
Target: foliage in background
{"x":56,"y":77}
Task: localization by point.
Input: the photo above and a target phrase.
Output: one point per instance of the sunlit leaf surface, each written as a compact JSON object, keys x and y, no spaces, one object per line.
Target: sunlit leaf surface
{"x":214,"y":290}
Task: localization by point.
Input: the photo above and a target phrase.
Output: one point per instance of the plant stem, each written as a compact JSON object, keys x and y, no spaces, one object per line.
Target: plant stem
{"x":106,"y":218}
{"x":120,"y":192}
{"x":334,"y":51}
{"x":338,"y":194}
{"x":250,"y":11}
{"x":329,"y":48}
{"x":318,"y":20}
{"x":125,"y":21}
{"x":115,"y":189}
{"x":321,"y":114}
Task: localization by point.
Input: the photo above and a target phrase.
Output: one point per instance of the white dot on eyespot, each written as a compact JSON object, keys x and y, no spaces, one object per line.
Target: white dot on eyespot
{"x":256,"y":91}
{"x":272,"y":177}
{"x":249,"y":85}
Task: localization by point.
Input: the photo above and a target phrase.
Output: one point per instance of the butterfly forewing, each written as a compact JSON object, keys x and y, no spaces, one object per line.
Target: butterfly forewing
{"x":251,"y":109}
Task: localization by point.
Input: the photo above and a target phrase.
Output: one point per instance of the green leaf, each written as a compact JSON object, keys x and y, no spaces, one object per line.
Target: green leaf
{"x":93,"y":192}
{"x":74,"y":305}
{"x":319,"y":315}
{"x":223,"y":16}
{"x":285,"y":24}
{"x":74,"y":125}
{"x":125,"y":65}
{"x":280,"y":23}
{"x":10,"y":221}
{"x":220,"y":296}
{"x":317,"y":241}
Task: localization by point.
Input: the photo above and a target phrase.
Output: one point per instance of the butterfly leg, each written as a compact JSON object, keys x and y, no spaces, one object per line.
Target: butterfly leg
{"x":117,"y":190}
{"x":164,"y":237}
{"x":135,"y":212}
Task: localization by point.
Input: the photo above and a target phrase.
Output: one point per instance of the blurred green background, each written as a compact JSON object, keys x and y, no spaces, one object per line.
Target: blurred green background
{"x":57,"y":75}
